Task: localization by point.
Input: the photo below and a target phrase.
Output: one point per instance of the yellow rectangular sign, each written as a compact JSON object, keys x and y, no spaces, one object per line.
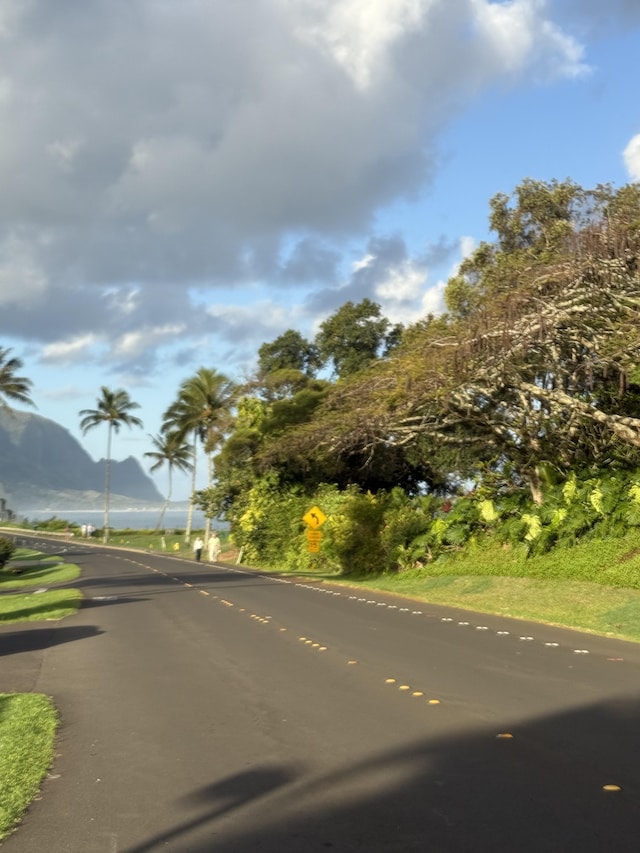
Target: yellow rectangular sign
{"x":313,"y":547}
{"x":313,"y":535}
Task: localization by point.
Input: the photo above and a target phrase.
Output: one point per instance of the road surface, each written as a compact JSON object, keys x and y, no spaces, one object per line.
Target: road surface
{"x":207,"y":709}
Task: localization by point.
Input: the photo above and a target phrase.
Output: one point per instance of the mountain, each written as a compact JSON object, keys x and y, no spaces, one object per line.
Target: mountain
{"x":42,"y":465}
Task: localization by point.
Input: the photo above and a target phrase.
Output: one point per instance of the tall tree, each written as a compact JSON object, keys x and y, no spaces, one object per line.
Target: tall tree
{"x":286,"y":365}
{"x":113,"y":408}
{"x":536,"y":366}
{"x":13,"y":387}
{"x":202,"y":411}
{"x":175,"y":453}
{"x":354,"y":336}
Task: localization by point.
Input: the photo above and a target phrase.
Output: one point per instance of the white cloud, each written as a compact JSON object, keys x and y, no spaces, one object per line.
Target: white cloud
{"x":363,"y":263}
{"x":518,"y":33}
{"x":402,"y":283}
{"x":136,"y":343}
{"x":70,"y":351}
{"x":432,"y":300}
{"x":358,"y":33}
{"x":265,"y":318}
{"x":631,"y":156}
{"x":163,"y":147}
{"x":234,"y":132}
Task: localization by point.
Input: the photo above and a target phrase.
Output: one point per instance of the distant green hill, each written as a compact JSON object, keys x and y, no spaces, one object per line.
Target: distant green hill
{"x":42,"y":465}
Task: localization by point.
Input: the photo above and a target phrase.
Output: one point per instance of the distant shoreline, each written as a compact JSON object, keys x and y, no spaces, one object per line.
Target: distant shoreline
{"x":119,"y":519}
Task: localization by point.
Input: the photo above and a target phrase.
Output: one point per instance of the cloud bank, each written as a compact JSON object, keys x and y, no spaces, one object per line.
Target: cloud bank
{"x":157,"y":156}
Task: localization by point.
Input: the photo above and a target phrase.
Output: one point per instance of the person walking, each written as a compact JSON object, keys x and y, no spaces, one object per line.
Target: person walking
{"x":213,"y":546}
{"x":198,"y":545}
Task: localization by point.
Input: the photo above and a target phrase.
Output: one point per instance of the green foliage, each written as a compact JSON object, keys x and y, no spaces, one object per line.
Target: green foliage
{"x":13,"y":387}
{"x":374,"y":533}
{"x":7,"y":549}
{"x":55,"y":524}
{"x":289,"y":352}
{"x":529,"y":388}
{"x":354,"y":336}
{"x":356,"y":530}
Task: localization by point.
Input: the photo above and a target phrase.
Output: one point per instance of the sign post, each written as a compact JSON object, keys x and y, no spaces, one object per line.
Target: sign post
{"x":314,"y":519}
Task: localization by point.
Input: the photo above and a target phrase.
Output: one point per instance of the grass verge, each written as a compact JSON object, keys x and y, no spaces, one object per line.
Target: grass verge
{"x":593,"y":586}
{"x":31,"y":607}
{"x":27,"y":729}
{"x":613,"y":612}
{"x":28,"y":568}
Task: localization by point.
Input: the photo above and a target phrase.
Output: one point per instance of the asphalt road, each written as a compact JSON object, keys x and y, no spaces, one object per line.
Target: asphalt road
{"x":209,"y":709}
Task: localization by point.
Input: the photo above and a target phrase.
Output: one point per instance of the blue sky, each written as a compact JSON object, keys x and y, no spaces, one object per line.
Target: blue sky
{"x":183,"y":181}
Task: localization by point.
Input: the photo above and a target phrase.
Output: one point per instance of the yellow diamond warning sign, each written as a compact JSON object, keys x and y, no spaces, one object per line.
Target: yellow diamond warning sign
{"x":314,"y":517}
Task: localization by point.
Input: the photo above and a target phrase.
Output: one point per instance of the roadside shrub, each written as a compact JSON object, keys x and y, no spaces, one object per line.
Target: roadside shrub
{"x":406,"y":521}
{"x":356,"y":532}
{"x":6,"y":550}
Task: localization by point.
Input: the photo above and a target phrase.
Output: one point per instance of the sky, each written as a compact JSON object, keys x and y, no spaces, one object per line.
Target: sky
{"x":184,"y":180}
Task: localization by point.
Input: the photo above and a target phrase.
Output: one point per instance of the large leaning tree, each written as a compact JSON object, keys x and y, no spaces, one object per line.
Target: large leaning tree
{"x":114,"y":409}
{"x":536,"y":363}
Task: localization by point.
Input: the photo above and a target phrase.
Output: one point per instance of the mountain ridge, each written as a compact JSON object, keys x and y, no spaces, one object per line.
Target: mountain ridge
{"x":43,"y":465}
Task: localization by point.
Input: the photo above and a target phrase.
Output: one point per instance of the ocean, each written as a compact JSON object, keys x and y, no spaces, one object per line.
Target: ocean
{"x":142,"y":519}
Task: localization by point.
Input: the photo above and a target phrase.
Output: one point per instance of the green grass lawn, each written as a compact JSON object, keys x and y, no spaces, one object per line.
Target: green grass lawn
{"x":28,"y":720}
{"x":43,"y":571}
{"x":27,"y":728}
{"x":29,"y":568}
{"x":31,"y":607}
{"x":572,"y":604}
{"x":594,"y":586}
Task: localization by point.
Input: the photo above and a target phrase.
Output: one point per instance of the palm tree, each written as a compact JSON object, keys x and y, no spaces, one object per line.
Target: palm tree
{"x":11,"y":386}
{"x":176,"y":453}
{"x":202,"y":410}
{"x":114,"y":409}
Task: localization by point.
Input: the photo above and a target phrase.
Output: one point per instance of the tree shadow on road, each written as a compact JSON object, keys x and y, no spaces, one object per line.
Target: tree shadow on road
{"x":223,"y":797}
{"x":34,"y":639}
{"x":541,"y":790}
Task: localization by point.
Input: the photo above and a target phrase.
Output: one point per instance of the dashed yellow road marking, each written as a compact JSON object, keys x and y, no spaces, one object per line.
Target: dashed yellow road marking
{"x":611,"y":788}
{"x":321,"y":648}
{"x":504,"y":736}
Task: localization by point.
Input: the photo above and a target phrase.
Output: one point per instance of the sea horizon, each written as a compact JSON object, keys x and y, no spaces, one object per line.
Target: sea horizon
{"x":120,"y":519}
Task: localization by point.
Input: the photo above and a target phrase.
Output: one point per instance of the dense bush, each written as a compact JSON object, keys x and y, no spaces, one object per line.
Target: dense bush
{"x":369,"y":533}
{"x":6,"y":550}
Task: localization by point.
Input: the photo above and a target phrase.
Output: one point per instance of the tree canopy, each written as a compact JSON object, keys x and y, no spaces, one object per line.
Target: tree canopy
{"x":536,"y":363}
